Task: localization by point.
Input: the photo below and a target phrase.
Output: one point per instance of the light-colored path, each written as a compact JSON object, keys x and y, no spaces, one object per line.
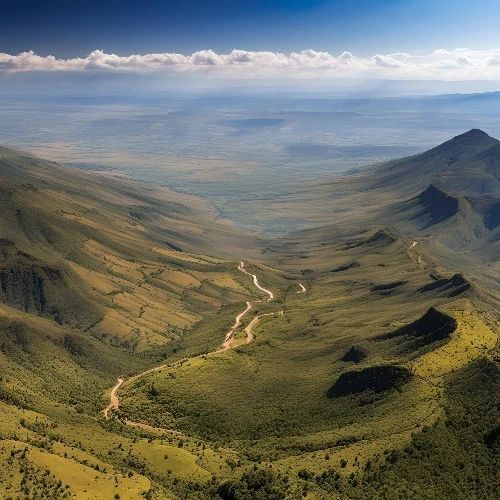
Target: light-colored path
{"x":302,"y":288}
{"x":237,"y":322}
{"x":229,"y":343}
{"x":241,"y":267}
{"x":248,"y":328}
{"x":420,"y":261}
{"x":114,"y":402}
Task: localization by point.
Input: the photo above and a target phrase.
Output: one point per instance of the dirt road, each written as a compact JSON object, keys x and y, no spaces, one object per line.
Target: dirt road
{"x":237,"y":322}
{"x":114,"y":401}
{"x":241,"y":267}
{"x":248,"y":328}
{"x":420,"y":261}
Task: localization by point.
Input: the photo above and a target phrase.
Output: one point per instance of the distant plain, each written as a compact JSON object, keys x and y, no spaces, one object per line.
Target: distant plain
{"x":238,"y":150}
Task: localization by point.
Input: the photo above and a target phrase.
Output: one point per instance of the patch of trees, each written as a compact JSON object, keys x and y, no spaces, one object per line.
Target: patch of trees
{"x":257,"y":484}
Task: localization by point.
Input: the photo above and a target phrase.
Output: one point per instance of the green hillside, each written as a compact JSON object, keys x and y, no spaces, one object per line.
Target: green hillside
{"x":355,"y":359}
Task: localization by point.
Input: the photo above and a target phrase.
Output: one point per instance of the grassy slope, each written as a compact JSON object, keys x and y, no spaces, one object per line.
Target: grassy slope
{"x":128,"y":287}
{"x":268,"y":400}
{"x":213,"y":419}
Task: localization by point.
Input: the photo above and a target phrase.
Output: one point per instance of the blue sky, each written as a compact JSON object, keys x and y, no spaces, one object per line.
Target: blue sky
{"x":317,"y":43}
{"x":68,"y":28}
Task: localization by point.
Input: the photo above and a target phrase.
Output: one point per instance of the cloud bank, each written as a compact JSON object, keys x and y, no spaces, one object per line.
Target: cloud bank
{"x":456,"y":64}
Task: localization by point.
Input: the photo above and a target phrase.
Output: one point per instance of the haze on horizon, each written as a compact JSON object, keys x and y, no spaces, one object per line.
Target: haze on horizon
{"x":344,"y":47}
{"x":286,"y":91}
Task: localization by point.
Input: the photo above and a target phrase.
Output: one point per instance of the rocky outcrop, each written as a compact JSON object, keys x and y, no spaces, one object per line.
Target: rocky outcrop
{"x":374,"y":378}
{"x":448,"y":287}
{"x":354,"y":355}
{"x":433,"y":326}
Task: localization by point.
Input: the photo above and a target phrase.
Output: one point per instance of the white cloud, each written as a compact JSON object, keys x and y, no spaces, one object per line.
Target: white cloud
{"x":441,"y":64}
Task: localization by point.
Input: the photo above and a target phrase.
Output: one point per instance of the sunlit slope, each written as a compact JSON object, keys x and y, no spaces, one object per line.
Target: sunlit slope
{"x":100,"y":277}
{"x":368,"y":356}
{"x":292,"y":399}
{"x":110,"y":256}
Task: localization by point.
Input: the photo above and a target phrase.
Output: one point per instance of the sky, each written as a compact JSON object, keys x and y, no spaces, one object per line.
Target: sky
{"x":256,"y":39}
{"x":69,"y":28}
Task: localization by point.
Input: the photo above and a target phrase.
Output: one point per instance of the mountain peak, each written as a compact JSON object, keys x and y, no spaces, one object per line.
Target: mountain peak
{"x":475,"y":132}
{"x":474,"y":137}
{"x":462,"y":146}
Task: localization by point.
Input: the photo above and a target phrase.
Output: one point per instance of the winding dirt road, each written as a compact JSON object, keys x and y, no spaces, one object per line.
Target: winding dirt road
{"x":228,"y":343}
{"x":420,"y":261}
{"x":114,"y":401}
{"x":237,"y":322}
{"x":248,"y":328}
{"x":241,"y":267}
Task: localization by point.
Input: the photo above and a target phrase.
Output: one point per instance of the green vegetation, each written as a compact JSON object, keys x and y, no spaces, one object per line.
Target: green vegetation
{"x":374,"y":378}
{"x":380,"y":380}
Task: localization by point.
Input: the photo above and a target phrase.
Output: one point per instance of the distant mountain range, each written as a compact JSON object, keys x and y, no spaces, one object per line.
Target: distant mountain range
{"x":448,"y":198}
